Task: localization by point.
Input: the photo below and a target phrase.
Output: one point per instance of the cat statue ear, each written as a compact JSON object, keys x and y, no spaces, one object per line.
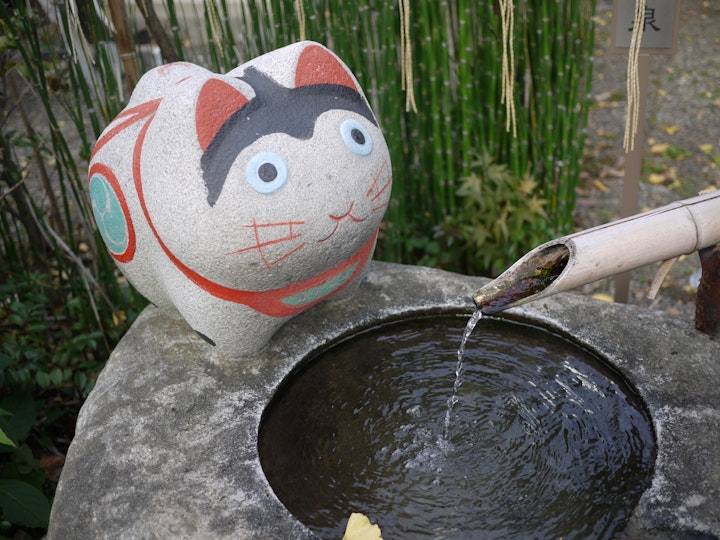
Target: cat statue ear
{"x":240,"y":200}
{"x":216,"y":103}
{"x":317,"y":65}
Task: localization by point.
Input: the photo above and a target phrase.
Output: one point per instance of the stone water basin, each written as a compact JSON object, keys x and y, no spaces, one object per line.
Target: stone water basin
{"x":167,"y":443}
{"x":544,"y":439}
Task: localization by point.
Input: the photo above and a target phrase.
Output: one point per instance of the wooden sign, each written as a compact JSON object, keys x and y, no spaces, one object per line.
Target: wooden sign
{"x":660,"y":26}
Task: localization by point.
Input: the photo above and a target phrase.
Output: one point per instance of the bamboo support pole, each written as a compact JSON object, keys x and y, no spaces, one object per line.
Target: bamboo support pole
{"x":569,"y":262}
{"x":126,"y":48}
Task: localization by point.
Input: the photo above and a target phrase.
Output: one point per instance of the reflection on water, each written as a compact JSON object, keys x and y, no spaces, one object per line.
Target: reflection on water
{"x":545,"y":440}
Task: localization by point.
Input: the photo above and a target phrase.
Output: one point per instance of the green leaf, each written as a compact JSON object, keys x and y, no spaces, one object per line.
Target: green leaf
{"x":23,"y":504}
{"x":43,"y":379}
{"x":22,"y":407}
{"x":4,"y":439}
{"x":56,"y":376}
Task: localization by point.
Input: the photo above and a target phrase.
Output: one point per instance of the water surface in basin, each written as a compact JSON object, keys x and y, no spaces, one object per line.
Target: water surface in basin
{"x":545,"y":441}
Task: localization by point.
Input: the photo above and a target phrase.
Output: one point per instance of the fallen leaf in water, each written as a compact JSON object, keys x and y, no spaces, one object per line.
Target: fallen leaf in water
{"x":360,"y":528}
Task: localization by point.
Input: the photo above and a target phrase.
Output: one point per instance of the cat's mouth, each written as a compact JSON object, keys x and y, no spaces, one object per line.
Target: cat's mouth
{"x":340,"y":218}
{"x":377,"y":196}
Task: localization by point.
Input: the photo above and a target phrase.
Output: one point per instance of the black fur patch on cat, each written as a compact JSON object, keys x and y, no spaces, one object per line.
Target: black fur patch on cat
{"x":274,"y":109}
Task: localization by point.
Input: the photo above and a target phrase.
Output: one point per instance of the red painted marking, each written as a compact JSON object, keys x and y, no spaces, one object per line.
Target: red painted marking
{"x":317,"y":65}
{"x":133,"y":116}
{"x":216,"y":103}
{"x":259,"y":244}
{"x":379,"y":191}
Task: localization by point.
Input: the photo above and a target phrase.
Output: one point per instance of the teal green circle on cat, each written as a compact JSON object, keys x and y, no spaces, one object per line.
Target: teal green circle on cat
{"x":109,"y":215}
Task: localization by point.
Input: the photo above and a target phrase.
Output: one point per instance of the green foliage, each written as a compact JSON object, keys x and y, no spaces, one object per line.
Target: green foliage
{"x":24,"y":501}
{"x":501,"y":216}
{"x":46,"y":342}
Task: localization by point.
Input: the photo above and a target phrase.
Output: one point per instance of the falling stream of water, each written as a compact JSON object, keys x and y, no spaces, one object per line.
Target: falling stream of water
{"x":453,"y":399}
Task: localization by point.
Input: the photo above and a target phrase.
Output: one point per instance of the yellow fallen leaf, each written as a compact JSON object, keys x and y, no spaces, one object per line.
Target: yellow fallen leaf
{"x":118,"y":317}
{"x":599,"y":185}
{"x":659,"y":148}
{"x":360,"y":528}
{"x":606,"y":134}
{"x":655,"y":178}
{"x":670,"y":130}
{"x":706,"y":148}
{"x":604,"y":297}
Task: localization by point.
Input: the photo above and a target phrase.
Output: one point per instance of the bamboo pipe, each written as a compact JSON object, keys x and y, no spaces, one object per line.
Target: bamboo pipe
{"x":587,"y":256}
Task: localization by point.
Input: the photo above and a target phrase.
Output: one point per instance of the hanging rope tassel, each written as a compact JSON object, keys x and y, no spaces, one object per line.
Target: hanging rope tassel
{"x":507,"y":19}
{"x":406,"y":56}
{"x":300,"y":9}
{"x":214,"y":20}
{"x":632,"y":116}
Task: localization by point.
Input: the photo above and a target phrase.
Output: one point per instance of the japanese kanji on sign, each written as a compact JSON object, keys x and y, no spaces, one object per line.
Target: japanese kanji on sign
{"x":660,"y":25}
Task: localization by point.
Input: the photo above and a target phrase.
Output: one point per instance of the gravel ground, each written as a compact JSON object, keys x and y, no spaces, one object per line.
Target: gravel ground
{"x":683,"y":112}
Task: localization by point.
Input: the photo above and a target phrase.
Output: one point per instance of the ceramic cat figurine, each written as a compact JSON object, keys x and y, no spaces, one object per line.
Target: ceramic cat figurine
{"x":242,"y":199}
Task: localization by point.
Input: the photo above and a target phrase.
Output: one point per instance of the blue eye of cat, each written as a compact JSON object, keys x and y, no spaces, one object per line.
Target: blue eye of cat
{"x":356,"y":137}
{"x":267,"y":172}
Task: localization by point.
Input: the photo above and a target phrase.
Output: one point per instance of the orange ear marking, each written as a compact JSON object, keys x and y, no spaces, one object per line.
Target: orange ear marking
{"x":317,"y":66}
{"x":216,"y":103}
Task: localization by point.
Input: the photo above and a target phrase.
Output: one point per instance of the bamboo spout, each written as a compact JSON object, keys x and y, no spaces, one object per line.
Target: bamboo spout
{"x":587,"y":256}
